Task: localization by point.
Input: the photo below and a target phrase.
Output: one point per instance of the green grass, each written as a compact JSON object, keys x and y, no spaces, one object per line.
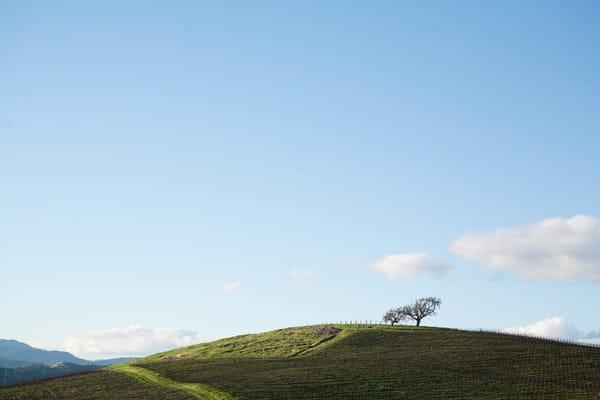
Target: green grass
{"x":287,"y":342}
{"x":360,"y":362}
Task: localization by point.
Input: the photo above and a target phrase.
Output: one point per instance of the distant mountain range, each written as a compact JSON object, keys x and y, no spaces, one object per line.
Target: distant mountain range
{"x":20,"y":362}
{"x":15,"y":354}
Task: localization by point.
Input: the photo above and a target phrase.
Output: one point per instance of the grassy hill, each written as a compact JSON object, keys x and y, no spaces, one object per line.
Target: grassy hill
{"x":345,"y":362}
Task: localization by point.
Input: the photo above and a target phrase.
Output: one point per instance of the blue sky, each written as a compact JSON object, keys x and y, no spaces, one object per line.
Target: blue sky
{"x":153,"y":153}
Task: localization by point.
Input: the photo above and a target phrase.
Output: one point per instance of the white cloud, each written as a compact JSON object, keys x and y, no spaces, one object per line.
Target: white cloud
{"x":557,"y":249}
{"x":403,"y":266}
{"x":304,"y":278}
{"x":229,"y":287}
{"x":556,"y":328}
{"x":137,"y":340}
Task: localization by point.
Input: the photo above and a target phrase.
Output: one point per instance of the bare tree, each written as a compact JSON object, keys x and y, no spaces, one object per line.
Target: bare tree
{"x":422,"y":308}
{"x":392,"y":316}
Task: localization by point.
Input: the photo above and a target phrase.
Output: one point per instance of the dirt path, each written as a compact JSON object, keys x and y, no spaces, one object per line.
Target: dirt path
{"x":198,"y":390}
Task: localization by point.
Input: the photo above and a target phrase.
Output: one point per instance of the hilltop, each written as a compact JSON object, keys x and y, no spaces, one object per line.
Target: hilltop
{"x":342,"y":362}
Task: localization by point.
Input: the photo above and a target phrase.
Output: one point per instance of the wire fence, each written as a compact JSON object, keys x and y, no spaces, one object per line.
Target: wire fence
{"x":373,"y":323}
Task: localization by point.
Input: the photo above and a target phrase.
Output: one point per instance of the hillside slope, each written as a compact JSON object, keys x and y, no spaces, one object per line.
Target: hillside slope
{"x":346,"y":362}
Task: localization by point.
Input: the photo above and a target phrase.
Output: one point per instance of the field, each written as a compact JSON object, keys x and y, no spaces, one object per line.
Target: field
{"x":358,"y":362}
{"x":99,"y":385}
{"x":13,"y":376}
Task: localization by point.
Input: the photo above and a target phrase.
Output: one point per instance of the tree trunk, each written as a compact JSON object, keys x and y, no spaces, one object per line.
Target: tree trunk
{"x":418,"y":322}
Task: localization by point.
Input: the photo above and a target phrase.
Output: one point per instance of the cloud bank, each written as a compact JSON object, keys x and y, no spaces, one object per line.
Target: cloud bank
{"x":137,"y":340}
{"x":404,"y":266}
{"x":557,"y":249}
{"x":555,"y":327}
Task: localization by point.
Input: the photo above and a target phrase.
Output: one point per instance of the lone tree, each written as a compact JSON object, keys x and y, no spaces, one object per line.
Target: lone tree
{"x":422,"y":308}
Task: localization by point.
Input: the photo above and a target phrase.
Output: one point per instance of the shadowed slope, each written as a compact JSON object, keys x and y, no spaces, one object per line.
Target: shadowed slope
{"x":99,"y":385}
